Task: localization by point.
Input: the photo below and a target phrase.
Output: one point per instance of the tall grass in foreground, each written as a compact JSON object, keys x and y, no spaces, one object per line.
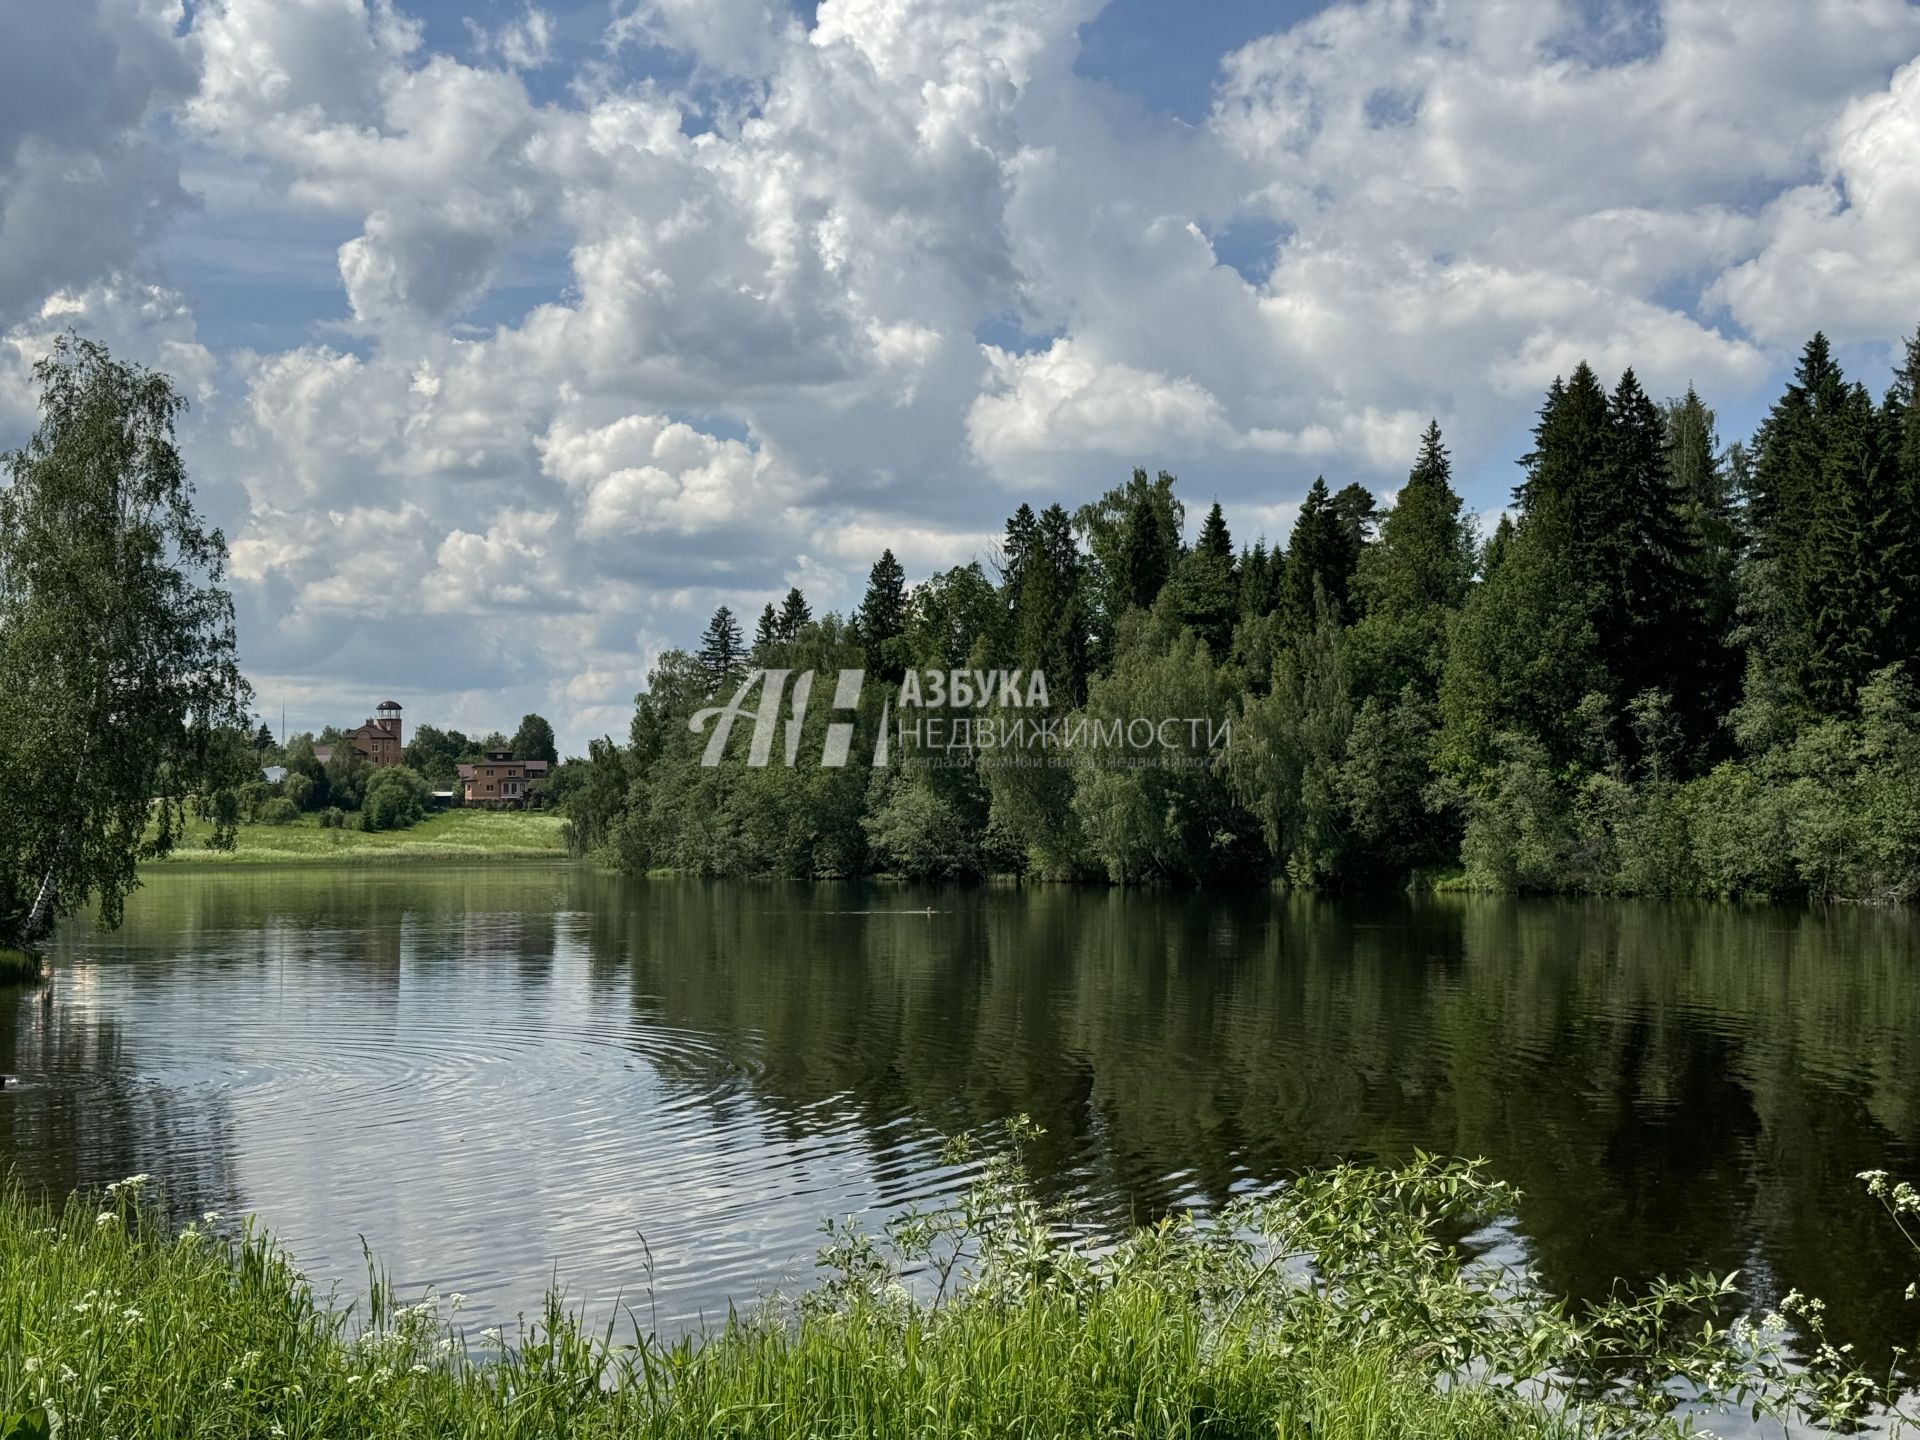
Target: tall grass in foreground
{"x":1333,"y":1309}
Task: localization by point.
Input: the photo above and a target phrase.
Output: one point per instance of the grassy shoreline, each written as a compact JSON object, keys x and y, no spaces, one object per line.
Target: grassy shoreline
{"x":478,"y":835}
{"x":112,"y":1324}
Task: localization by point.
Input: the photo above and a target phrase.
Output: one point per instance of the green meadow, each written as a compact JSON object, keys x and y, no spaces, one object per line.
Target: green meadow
{"x":448,"y":835}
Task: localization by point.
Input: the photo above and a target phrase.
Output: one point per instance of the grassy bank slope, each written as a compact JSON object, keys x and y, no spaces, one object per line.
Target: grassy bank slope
{"x":118,"y":1327}
{"x":449,"y":835}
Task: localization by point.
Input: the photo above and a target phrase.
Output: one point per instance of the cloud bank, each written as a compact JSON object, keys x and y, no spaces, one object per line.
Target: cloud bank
{"x":643,"y":310}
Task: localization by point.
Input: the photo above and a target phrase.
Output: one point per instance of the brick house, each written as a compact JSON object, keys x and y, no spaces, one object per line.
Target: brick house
{"x":378,"y":742}
{"x":497,"y":780}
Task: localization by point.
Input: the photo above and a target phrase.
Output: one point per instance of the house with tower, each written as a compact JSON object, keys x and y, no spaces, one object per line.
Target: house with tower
{"x":378,"y":742}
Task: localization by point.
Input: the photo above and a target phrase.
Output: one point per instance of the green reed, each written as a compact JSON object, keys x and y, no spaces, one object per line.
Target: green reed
{"x":1332,"y":1308}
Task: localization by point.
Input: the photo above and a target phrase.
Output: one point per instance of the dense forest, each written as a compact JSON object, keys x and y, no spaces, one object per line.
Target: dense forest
{"x":1673,"y":669}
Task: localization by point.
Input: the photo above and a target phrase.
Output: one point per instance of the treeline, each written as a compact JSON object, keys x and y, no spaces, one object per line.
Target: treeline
{"x":1673,"y":669}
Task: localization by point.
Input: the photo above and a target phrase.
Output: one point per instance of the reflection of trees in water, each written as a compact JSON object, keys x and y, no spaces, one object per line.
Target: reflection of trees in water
{"x":1671,"y":1086}
{"x":83,"y":1117}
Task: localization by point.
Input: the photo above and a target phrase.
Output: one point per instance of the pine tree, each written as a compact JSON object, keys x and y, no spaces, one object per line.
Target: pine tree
{"x":794,"y":616}
{"x":719,"y":656}
{"x":1358,"y":515}
{"x":883,"y":616}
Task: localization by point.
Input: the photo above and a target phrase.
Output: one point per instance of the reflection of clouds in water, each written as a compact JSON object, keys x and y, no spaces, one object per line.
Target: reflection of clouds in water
{"x":496,"y":1070}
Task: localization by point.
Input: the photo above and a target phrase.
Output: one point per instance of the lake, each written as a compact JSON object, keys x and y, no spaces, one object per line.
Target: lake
{"x":656,"y":1089}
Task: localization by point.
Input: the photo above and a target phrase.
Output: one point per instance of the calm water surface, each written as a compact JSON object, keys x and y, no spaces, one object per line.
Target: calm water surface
{"x":655,"y":1090}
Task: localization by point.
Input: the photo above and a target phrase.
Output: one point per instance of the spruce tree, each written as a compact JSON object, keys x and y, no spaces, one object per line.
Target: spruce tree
{"x":719,"y":656}
{"x":1050,"y":615}
{"x":883,"y":616}
{"x":1013,"y":551}
{"x":1651,"y":628}
{"x":1206,"y":588}
{"x":1704,"y":486}
{"x":766,"y":635}
{"x":1412,"y":579}
{"x":1148,"y":548}
{"x":794,"y":616}
{"x":1833,"y":536}
{"x":1322,"y":553}
{"x":1260,"y":571}
{"x":1424,"y":558}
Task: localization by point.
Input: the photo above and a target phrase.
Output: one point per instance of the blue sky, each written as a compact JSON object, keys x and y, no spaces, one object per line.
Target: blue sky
{"x":520,"y":335}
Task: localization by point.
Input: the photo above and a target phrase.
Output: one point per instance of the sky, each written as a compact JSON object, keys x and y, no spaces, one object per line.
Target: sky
{"x":520,"y":336}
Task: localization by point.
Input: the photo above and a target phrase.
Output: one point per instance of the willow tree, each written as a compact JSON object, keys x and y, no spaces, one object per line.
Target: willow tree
{"x":122,"y":695}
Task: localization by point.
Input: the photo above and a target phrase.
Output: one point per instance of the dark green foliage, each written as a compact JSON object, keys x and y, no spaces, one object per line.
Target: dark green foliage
{"x":1287,"y":757}
{"x":394,"y":798}
{"x":1206,"y":587}
{"x":1050,"y":621}
{"x":883,"y":617}
{"x":1132,"y":535}
{"x":123,"y":696}
{"x":432,"y":753}
{"x":1260,"y":576}
{"x":534,"y":740}
{"x":1321,"y":557}
{"x":1174,"y":821}
{"x":1412,"y":580}
{"x":1670,"y":670}
{"x":1835,"y":532}
{"x":795,"y":616}
{"x":721,"y":655}
{"x":1013,"y":550}
{"x":766,"y":635}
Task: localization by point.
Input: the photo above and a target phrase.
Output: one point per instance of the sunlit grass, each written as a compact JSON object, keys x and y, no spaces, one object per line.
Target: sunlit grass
{"x":117,"y":1327}
{"x":448,"y":835}
{"x":1331,"y":1310}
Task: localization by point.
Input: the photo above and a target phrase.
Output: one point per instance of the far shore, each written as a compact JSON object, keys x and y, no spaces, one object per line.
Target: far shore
{"x":477,"y":835}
